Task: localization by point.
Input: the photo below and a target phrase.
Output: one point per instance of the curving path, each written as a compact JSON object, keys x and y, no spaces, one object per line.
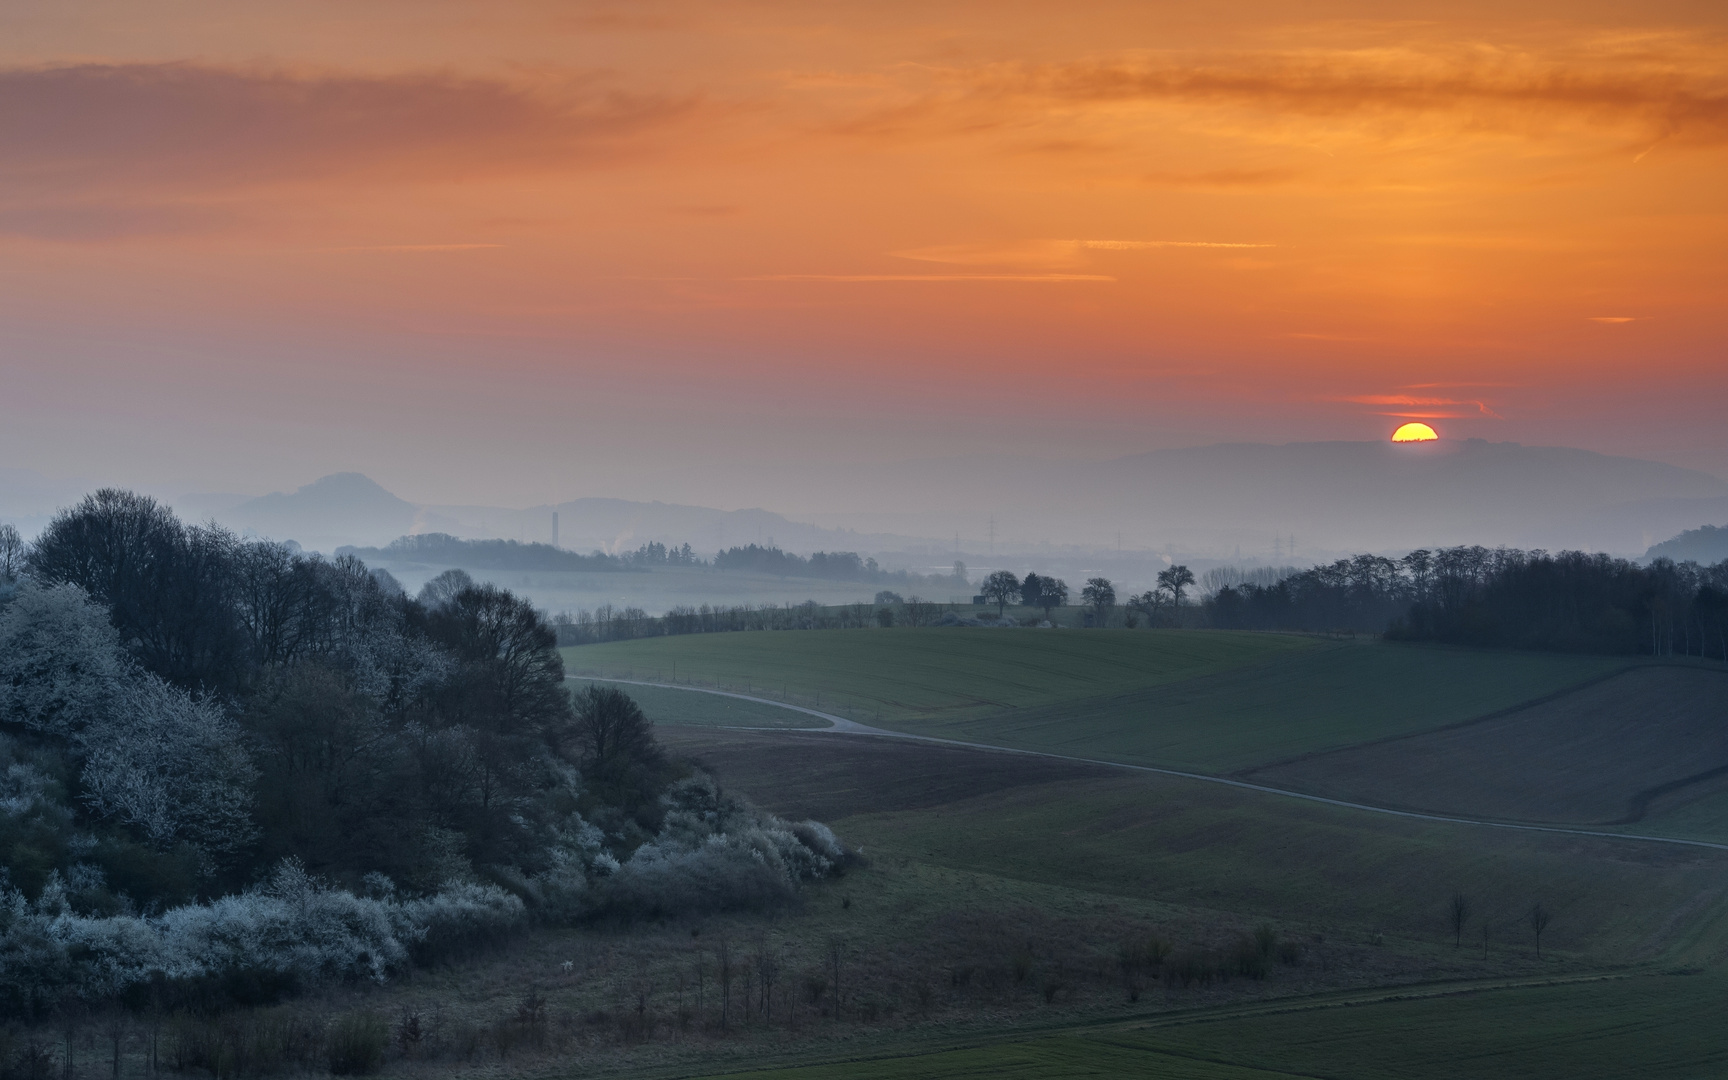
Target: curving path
{"x":842,"y":726}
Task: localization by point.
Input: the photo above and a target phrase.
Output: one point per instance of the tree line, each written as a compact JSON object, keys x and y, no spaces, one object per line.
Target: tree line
{"x":442,"y":549}
{"x":200,"y":733}
{"x":829,"y":565}
{"x":445,"y":550}
{"x":609,"y":623}
{"x":1569,"y":601}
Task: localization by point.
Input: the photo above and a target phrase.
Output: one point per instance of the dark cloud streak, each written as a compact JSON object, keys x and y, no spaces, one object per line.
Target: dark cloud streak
{"x":110,"y":149}
{"x":1681,"y":97}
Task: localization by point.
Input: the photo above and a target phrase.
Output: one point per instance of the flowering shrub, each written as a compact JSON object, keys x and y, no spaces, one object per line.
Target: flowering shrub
{"x":294,"y":930}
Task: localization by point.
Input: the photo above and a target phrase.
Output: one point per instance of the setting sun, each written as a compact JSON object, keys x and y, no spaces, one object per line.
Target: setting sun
{"x":1415,"y":433}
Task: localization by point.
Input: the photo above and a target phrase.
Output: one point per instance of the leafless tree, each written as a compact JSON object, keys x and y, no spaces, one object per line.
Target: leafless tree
{"x":11,"y":553}
{"x":1147,"y":603}
{"x":723,"y":956}
{"x":1459,"y":912}
{"x":767,"y":970}
{"x":1174,"y":580}
{"x":835,"y":949}
{"x":1052,"y":593}
{"x":1000,"y":588}
{"x":1539,"y":918}
{"x":1099,"y":595}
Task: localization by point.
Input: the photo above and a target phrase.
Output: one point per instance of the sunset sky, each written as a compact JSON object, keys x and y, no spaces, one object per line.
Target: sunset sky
{"x":515,"y":252}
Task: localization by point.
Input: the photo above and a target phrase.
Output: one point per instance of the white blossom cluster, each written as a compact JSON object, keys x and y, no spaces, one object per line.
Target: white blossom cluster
{"x":293,"y":928}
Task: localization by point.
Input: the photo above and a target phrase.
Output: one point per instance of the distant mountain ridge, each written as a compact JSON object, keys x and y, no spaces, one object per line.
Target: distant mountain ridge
{"x":1281,"y":502}
{"x":342,"y":508}
{"x":1335,"y":497}
{"x":1706,"y":545}
{"x":351,"y":510}
{"x":1383,"y":496}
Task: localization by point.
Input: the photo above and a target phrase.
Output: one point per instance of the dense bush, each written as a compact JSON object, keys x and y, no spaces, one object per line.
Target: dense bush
{"x":290,"y":933}
{"x":229,"y":770}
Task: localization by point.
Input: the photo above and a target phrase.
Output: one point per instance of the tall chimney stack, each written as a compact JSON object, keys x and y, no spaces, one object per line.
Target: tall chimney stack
{"x":554,"y":528}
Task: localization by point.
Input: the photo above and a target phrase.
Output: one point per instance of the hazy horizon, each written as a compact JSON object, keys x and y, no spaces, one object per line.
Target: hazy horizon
{"x":726,"y":253}
{"x":1252,"y":502}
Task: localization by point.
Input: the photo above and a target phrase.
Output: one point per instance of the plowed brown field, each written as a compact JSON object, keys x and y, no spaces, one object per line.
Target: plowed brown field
{"x":828,"y":777}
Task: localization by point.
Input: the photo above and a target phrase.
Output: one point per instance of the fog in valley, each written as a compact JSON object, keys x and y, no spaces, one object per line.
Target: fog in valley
{"x":1235,"y":505}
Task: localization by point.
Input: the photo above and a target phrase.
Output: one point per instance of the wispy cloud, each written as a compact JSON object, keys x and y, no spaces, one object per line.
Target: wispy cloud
{"x":1222,"y":178}
{"x":1042,"y":253}
{"x":1659,"y":89}
{"x":930,"y":277}
{"x":1047,"y":254}
{"x":1143,"y":245}
{"x":1455,"y":385}
{"x":1427,"y":414}
{"x":414,"y":247}
{"x":92,"y":136}
{"x":1615,"y":319}
{"x":1412,"y":400}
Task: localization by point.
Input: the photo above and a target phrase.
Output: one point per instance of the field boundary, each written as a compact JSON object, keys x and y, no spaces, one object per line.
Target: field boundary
{"x":1496,"y":714}
{"x":1640,"y":802}
{"x":843,"y":726}
{"x":1104,"y":1029}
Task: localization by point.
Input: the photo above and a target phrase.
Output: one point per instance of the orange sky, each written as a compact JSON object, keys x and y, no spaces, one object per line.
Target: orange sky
{"x":514,"y":252}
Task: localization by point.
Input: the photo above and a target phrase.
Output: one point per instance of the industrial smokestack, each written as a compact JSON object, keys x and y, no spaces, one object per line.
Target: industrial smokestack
{"x":554,"y":528}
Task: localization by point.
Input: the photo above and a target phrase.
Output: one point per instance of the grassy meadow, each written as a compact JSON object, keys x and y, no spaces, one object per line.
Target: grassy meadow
{"x":692,"y":708}
{"x":1700,"y":818}
{"x":1241,"y":855}
{"x":987,"y":932}
{"x":1603,"y":750}
{"x":1663,"y":1026}
{"x":896,"y":676}
{"x":1209,"y":701}
{"x":1025,"y":917}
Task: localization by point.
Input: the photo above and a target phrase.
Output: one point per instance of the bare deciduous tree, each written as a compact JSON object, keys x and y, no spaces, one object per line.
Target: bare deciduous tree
{"x":1052,"y":593}
{"x":1459,"y":912}
{"x":1174,"y":580}
{"x":1539,"y":918}
{"x":1000,"y":588}
{"x":723,"y":957}
{"x":1099,"y":595}
{"x":11,"y":553}
{"x":1147,"y":603}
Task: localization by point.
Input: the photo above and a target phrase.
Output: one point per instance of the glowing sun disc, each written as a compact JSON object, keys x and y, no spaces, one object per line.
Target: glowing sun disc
{"x":1415,"y":433}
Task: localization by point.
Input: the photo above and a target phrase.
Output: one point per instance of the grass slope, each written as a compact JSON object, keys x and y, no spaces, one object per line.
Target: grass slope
{"x":1205,"y":846}
{"x":1200,"y":700}
{"x":1582,"y":758}
{"x":1656,"y":1026}
{"x":980,"y":860}
{"x":901,"y":675}
{"x":1260,"y":856}
{"x":1284,"y":705}
{"x":692,"y":708}
{"x":1698,"y":812}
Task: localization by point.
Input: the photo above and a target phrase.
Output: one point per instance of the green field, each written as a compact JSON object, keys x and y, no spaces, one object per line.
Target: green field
{"x":1200,"y":700}
{"x":1283,"y":705}
{"x":1369,"y":891}
{"x":1208,"y":847}
{"x":1666,"y":1026}
{"x":900,"y":675}
{"x":977,"y":857}
{"x":1705,"y":818}
{"x":692,"y":708}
